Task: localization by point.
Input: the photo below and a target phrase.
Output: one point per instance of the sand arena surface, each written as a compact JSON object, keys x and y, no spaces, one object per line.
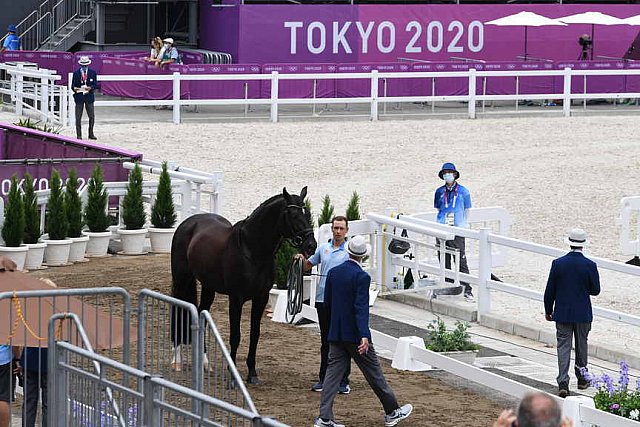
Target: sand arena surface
{"x":551,"y":174}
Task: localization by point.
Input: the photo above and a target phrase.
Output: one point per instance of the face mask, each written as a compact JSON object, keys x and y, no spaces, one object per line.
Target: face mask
{"x":448,"y":178}
{"x":84,"y":69}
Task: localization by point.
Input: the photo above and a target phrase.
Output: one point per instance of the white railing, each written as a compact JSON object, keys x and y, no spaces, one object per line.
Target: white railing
{"x":35,"y":90}
{"x":629,"y":221}
{"x":374,"y":99}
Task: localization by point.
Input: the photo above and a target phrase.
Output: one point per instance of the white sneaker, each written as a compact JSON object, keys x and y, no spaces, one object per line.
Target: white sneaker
{"x":398,"y":415}
{"x":468,"y":296}
{"x":319,"y":422}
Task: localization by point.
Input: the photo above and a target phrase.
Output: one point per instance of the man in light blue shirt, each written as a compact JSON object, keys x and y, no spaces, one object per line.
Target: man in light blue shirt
{"x":6,"y":357}
{"x":328,"y":255}
{"x":12,"y":41}
{"x":453,"y":202}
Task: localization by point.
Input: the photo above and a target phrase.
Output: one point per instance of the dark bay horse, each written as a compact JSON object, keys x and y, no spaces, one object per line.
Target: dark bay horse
{"x":236,"y":260}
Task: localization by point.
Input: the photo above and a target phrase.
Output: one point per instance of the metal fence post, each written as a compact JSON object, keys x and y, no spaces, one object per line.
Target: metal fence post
{"x":374,"y":95}
{"x":71,"y":111}
{"x":472,"y":93}
{"x":566,"y":93}
{"x":274,"y":96}
{"x":484,"y":272}
{"x":176,"y":98}
{"x":149,"y":413}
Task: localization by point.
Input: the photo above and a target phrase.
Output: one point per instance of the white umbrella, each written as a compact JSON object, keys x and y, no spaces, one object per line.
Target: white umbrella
{"x":593,"y":18}
{"x":526,"y":20}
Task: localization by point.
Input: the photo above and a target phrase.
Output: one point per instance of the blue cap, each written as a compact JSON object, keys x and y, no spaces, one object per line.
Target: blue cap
{"x":11,"y":28}
{"x":448,"y":167}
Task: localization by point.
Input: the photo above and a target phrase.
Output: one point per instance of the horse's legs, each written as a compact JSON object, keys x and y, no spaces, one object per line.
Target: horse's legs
{"x":258,"y":304}
{"x":207,"y":297}
{"x":235,"y":313}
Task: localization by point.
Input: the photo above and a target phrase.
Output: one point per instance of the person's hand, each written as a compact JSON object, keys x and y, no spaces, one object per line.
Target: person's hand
{"x":506,"y":419}
{"x":566,"y":422}
{"x":300,"y":257}
{"x":364,"y":346}
{"x":549,"y":317}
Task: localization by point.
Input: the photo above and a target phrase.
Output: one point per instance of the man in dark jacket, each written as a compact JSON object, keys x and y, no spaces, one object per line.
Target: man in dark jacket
{"x":572,"y":279}
{"x":84,"y":84}
{"x":346,"y":297}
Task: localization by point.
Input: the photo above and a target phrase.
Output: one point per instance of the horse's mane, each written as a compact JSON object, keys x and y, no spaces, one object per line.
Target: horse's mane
{"x":262,"y":205}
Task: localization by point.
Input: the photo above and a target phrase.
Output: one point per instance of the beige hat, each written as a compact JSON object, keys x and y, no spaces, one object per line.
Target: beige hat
{"x":358,"y":247}
{"x":168,"y":40}
{"x":577,"y":237}
{"x":84,"y":60}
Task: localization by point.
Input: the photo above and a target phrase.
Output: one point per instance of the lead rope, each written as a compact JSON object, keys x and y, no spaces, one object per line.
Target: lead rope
{"x":20,"y":318}
{"x":294,"y":289}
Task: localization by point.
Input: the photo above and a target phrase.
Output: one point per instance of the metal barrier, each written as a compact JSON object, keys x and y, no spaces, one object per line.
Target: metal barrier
{"x":92,"y":390}
{"x":28,"y":313}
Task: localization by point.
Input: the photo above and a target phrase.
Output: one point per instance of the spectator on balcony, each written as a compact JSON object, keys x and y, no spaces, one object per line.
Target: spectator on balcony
{"x":156,"y":51}
{"x":84,"y":84}
{"x":170,"y":54}
{"x":12,"y":41}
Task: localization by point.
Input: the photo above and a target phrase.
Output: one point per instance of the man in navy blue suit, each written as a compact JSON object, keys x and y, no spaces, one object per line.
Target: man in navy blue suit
{"x":346,"y":297}
{"x":84,"y":84}
{"x":572,"y":280}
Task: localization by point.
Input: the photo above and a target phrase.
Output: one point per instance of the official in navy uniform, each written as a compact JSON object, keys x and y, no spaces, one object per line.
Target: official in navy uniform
{"x":84,"y":84}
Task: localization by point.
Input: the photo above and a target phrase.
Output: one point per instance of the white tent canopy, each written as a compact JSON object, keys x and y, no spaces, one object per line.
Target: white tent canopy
{"x":593,"y":18}
{"x":526,"y":20}
{"x":633,"y":20}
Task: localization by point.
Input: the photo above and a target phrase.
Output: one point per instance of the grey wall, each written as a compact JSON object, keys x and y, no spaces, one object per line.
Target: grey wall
{"x":15,"y":11}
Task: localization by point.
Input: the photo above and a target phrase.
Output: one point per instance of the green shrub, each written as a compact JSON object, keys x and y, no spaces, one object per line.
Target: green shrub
{"x":31,"y":212}
{"x":38,"y":125}
{"x":440,"y":339}
{"x":163,"y":213}
{"x":57,"y":221}
{"x":13,"y":226}
{"x":95,"y":212}
{"x":326,"y":215}
{"x":353,"y":210}
{"x":307,"y":205}
{"x":73,"y":204}
{"x":133,"y":214}
{"x":284,"y":257}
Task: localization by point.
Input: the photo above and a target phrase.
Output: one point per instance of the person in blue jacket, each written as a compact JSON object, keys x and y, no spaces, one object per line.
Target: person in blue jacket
{"x":12,"y":41}
{"x":453,"y":202}
{"x":347,"y":298}
{"x":573,"y":278}
{"x":84,"y":84}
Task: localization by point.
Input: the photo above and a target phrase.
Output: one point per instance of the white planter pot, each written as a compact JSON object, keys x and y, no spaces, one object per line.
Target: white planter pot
{"x":16,"y":254}
{"x":98,"y":243}
{"x":35,"y":256}
{"x":57,"y":252}
{"x":132,"y":241}
{"x":161,"y":239}
{"x":78,"y":248}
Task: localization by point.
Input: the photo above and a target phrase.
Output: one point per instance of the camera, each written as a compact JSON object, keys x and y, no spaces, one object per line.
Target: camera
{"x":585,"y":41}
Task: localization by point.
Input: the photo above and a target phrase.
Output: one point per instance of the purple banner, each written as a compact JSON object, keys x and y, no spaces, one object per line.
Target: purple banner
{"x":62,"y":62}
{"x":22,"y":143}
{"x":232,"y":89}
{"x":300,"y":88}
{"x":593,"y":84}
{"x":389,"y":33}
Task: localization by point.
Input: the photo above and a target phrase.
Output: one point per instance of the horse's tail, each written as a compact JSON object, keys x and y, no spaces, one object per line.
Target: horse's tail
{"x":183,"y":283}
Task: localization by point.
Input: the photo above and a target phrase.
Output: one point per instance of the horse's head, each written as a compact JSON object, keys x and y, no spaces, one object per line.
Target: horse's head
{"x":296,"y":222}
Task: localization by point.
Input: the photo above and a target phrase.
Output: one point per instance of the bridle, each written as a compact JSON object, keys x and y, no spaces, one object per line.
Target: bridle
{"x":298,"y":238}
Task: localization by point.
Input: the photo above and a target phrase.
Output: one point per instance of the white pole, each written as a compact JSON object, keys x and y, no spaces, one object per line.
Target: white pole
{"x":566,"y":98}
{"x":176,"y":98}
{"x":44,"y":100}
{"x":374,"y":95}
{"x":70,"y":102}
{"x":274,"y":96}
{"x":472,"y":93}
{"x":484,"y":272}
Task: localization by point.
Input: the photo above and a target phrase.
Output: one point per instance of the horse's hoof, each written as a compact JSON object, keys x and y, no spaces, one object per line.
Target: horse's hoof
{"x":177,"y":367}
{"x":253,"y":379}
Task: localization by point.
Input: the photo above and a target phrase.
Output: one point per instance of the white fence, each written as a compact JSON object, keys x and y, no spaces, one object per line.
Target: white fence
{"x":33,"y":90}
{"x":629,"y":221}
{"x":374,"y":99}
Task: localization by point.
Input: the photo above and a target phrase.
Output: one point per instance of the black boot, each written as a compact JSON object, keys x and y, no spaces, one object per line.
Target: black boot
{"x":92,"y":136}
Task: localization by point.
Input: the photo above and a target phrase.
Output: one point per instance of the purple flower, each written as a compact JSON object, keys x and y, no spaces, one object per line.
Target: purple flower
{"x":623,"y":382}
{"x":614,"y":406}
{"x":608,"y":382}
{"x":638,"y":384}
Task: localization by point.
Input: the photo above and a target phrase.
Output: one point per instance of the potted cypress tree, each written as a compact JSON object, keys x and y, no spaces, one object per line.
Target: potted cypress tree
{"x":57,"y":225}
{"x":327,"y":212}
{"x":74,"y":215}
{"x":32,"y":232}
{"x":163,"y":215}
{"x":133,"y":234}
{"x":353,"y":210}
{"x":95,"y":215}
{"x":13,"y":226}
